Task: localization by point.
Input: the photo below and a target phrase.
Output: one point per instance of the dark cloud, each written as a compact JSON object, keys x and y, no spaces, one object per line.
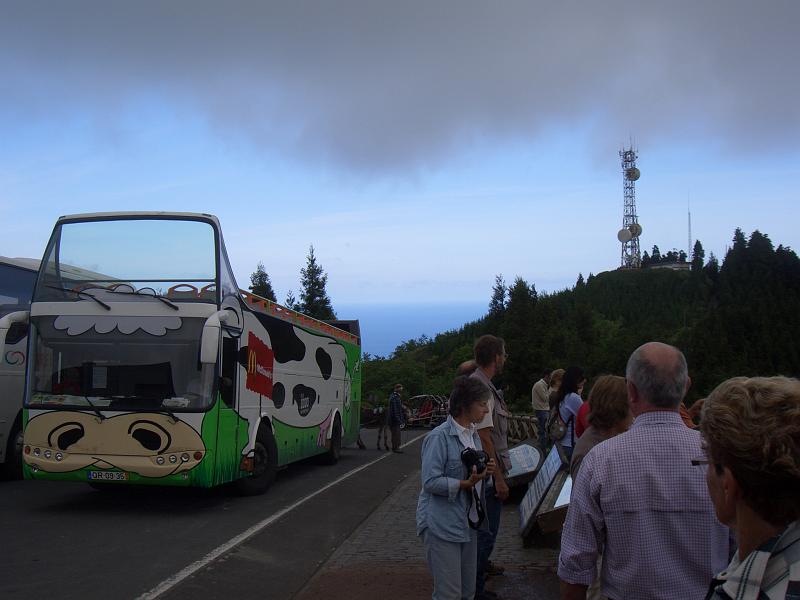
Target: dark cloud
{"x":387,"y":85}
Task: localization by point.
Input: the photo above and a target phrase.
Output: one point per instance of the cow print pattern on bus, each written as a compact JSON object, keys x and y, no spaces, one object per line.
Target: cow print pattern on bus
{"x":305,"y":398}
{"x":324,"y":362}
{"x":278,"y":395}
{"x":285,"y":343}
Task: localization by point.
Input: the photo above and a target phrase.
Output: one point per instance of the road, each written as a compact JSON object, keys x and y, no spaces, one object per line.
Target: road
{"x":66,"y":540}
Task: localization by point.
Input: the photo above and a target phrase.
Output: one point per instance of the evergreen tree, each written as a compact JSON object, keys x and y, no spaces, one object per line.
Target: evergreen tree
{"x":698,"y":256}
{"x":291,"y":301}
{"x":646,"y":259}
{"x":712,"y":267}
{"x":314,"y":300}
{"x":655,"y":257}
{"x":260,"y":284}
{"x":739,"y":241}
{"x":497,"y":305}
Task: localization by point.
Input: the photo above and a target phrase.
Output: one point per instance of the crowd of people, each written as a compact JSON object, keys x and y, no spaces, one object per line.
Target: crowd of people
{"x":660,"y":507}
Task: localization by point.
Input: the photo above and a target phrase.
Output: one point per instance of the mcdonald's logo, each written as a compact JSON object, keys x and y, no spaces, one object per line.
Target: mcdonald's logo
{"x":260,"y":361}
{"x":251,"y":361}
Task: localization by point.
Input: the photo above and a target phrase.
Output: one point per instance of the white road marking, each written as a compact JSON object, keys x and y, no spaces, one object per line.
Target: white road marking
{"x":190,"y":570}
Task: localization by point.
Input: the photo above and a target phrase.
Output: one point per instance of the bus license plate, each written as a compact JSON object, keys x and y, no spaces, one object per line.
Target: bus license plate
{"x":107,"y":476}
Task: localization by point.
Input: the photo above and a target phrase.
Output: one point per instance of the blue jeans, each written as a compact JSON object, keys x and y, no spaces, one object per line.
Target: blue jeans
{"x":541,"y":417}
{"x":486,"y":539}
{"x":452,"y":566}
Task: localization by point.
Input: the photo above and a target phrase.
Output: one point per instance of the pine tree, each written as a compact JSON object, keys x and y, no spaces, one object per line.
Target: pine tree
{"x":291,"y":301}
{"x":655,"y":257}
{"x":314,"y":300}
{"x":260,"y":284}
{"x":497,"y":305}
{"x":698,"y":256}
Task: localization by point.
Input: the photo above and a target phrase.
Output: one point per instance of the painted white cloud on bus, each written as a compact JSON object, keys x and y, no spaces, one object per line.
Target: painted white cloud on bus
{"x":78,"y":324}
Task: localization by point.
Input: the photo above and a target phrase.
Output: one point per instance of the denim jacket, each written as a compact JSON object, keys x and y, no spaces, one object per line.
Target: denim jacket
{"x":442,"y":507}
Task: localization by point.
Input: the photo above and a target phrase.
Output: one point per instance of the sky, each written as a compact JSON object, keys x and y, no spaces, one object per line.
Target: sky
{"x":421,"y":147}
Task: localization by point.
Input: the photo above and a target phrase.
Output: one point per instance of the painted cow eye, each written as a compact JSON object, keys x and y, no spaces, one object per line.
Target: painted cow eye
{"x":150,"y":435}
{"x":65,"y":435}
{"x":325,"y":363}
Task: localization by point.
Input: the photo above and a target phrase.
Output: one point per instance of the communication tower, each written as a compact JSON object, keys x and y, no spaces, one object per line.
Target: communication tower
{"x":631,"y":230}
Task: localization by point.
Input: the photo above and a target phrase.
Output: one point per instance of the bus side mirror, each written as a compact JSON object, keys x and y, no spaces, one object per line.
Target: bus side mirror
{"x":20,"y":316}
{"x":209,"y":343}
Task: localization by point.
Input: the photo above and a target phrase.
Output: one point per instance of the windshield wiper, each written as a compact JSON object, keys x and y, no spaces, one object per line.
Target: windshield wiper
{"x":94,"y":408}
{"x":167,"y":410}
{"x":154,"y":295}
{"x":80,"y":293}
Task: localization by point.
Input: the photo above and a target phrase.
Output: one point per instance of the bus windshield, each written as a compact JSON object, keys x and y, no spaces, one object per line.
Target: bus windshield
{"x":172,"y":257}
{"x":77,"y":366}
{"x":16,"y":287}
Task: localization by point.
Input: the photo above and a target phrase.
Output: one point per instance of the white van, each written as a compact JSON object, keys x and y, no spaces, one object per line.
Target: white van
{"x":17,"y":278}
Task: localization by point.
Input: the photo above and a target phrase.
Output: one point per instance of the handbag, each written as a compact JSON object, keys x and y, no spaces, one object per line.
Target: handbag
{"x":556,"y":427}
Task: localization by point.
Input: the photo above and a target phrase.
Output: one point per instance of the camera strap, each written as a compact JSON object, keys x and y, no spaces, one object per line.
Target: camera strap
{"x":475,"y":501}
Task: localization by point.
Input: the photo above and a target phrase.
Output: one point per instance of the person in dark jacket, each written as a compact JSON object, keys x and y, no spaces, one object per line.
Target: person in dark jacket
{"x":397,"y":416}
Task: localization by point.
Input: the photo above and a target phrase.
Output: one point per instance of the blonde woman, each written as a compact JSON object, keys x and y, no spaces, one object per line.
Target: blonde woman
{"x":751,"y":429}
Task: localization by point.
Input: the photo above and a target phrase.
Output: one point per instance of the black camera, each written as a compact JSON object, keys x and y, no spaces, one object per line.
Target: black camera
{"x":474,"y":458}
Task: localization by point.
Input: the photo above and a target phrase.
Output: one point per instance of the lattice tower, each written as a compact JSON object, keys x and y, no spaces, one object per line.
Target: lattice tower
{"x":631,"y":257}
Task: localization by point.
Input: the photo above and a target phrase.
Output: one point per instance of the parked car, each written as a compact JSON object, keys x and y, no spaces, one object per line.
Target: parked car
{"x":426,"y":410}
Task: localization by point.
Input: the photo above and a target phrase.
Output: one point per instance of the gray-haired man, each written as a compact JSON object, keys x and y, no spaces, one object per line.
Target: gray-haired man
{"x":639,"y":499}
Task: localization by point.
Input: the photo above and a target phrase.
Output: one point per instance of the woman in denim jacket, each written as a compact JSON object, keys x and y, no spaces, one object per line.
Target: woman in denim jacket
{"x":447,"y":508}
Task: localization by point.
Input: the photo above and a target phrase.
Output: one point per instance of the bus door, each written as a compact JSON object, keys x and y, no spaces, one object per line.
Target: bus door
{"x":231,"y":429}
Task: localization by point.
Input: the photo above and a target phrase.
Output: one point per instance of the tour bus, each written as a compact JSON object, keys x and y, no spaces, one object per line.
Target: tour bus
{"x":148,"y":365}
{"x":17,"y":276}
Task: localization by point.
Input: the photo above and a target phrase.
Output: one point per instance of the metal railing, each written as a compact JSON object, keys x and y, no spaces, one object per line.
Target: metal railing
{"x":522,"y":427}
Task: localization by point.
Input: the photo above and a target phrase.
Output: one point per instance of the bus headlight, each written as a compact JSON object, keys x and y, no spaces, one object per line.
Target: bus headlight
{"x":160,"y":460}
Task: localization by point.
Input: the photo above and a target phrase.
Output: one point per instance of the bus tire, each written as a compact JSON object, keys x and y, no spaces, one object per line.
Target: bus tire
{"x":265,"y":465}
{"x":12,"y":468}
{"x":331,"y":457}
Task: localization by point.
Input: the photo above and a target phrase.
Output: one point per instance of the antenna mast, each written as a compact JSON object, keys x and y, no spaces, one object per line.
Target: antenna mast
{"x":631,"y":258}
{"x":689,"y":248}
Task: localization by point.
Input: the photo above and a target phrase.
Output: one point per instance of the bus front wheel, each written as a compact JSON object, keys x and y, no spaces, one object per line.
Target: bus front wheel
{"x":12,"y":469}
{"x":331,"y":457}
{"x":265,"y":465}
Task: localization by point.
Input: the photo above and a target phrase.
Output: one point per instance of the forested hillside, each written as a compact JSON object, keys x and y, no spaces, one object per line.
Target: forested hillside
{"x":738,"y":318}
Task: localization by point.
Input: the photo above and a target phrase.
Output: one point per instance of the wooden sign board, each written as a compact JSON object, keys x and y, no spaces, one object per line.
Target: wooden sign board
{"x":539,"y":488}
{"x":525,"y":461}
{"x":553,"y":510}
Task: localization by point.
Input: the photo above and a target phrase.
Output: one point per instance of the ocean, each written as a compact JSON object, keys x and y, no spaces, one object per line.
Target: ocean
{"x":385,"y":326}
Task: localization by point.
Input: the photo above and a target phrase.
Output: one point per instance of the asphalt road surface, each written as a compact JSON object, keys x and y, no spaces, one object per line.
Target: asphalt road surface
{"x":66,"y":540}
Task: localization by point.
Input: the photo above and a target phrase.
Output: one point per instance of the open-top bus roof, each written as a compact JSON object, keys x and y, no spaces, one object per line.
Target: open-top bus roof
{"x":138,"y":213}
{"x":31,"y":264}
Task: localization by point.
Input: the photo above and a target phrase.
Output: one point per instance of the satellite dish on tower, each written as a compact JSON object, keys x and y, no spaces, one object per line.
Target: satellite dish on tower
{"x":624,"y":235}
{"x":632,"y":174}
{"x":635,"y":230}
